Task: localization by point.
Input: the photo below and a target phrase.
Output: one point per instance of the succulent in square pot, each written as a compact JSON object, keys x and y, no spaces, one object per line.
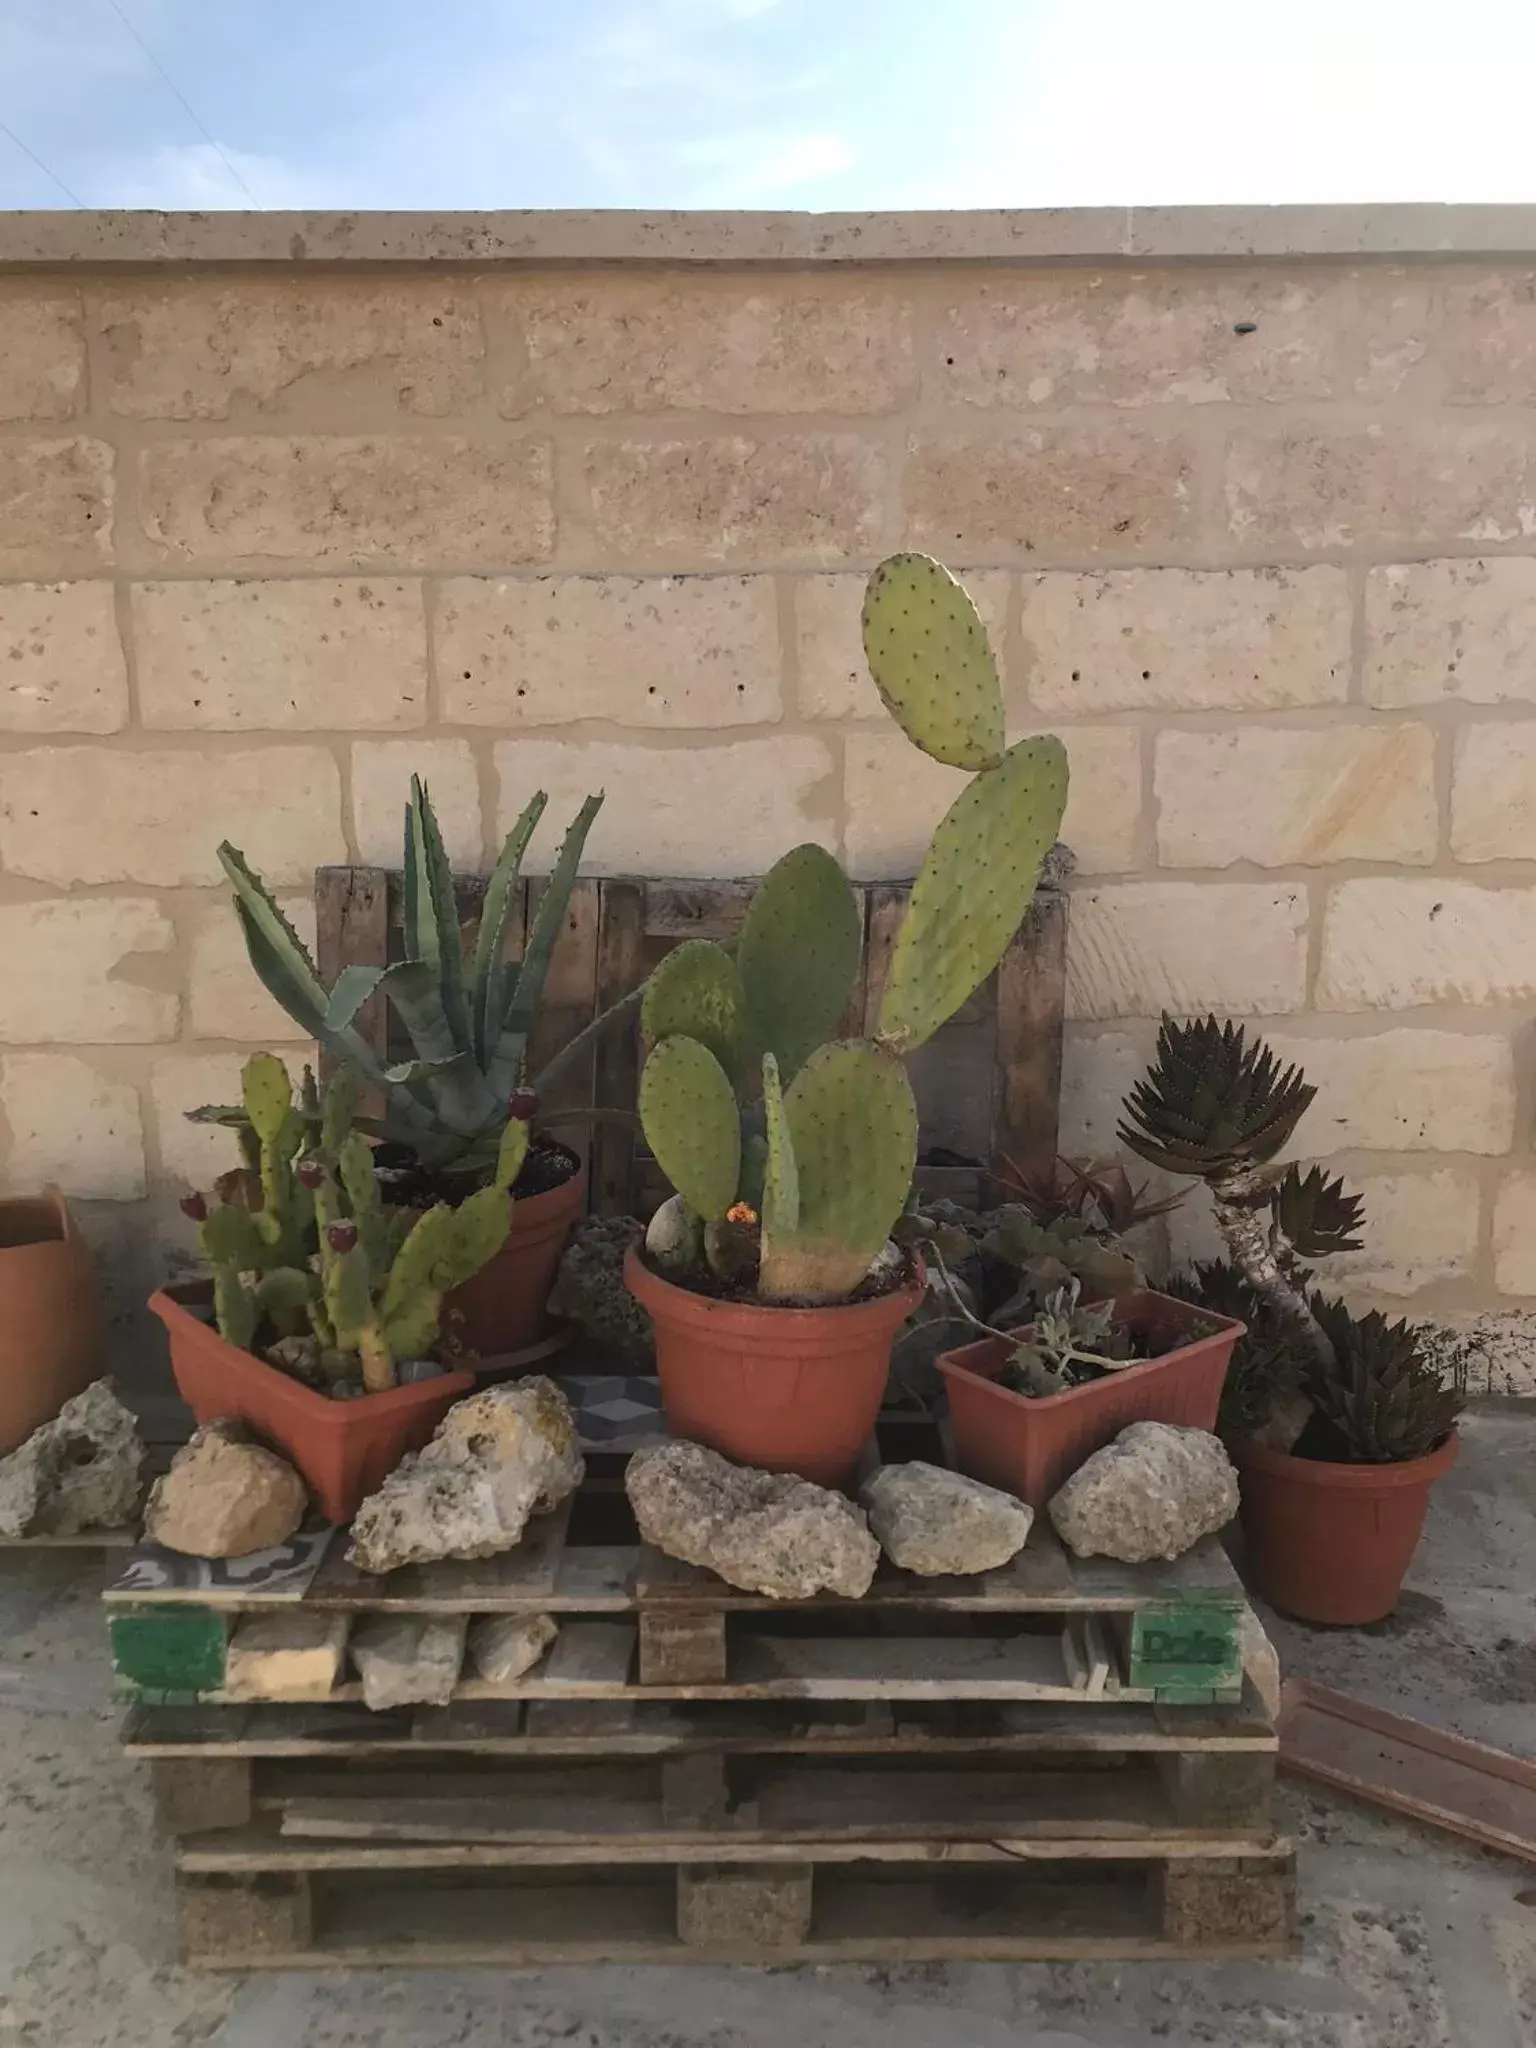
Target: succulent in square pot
{"x":1026,"y":1407}
{"x":320,"y":1323}
{"x":771,"y":1275}
{"x":470,"y":1014}
{"x":1339,"y":1423}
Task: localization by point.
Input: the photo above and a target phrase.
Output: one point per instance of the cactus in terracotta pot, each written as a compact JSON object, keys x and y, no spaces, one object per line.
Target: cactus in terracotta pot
{"x":792,"y":1151}
{"x":317,"y":1250}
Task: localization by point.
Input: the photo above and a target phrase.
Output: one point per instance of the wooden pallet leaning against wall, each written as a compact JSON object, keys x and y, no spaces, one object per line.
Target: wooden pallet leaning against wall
{"x":616,"y":930}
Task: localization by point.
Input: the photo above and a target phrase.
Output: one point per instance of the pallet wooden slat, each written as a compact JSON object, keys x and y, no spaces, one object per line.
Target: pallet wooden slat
{"x":1065,"y":1906}
{"x":661,"y":1728}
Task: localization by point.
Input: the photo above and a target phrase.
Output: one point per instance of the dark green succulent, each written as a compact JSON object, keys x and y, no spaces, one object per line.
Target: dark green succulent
{"x":1211,"y":1104}
{"x":1268,"y":1361}
{"x":1382,"y":1402}
{"x":1316,"y":1214}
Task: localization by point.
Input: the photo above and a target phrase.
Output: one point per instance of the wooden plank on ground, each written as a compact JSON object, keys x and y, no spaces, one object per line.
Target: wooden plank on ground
{"x":1441,"y":1779}
{"x":517,"y":1581}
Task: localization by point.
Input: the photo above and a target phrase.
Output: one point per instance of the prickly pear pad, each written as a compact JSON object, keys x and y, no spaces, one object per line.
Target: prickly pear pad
{"x":798,"y":955}
{"x":975,"y":885}
{"x":696,"y":992}
{"x":927,"y":651}
{"x":852,"y":1125}
{"x":692,"y":1123}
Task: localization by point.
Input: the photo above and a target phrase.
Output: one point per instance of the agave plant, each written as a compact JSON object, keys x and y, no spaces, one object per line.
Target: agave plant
{"x":469,"y":1013}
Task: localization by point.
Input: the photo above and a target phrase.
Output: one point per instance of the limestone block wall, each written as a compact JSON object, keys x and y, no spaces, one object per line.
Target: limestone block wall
{"x":288,"y":511}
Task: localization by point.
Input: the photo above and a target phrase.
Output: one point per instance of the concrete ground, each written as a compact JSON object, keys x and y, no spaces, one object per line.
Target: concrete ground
{"x":1409,"y":1938}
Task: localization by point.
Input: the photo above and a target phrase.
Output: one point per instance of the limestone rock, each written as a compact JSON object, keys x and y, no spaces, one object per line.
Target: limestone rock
{"x":503,"y":1646}
{"x":497,"y":1458}
{"x":285,"y":1654}
{"x":1153,"y":1492}
{"x":589,"y":1289}
{"x":83,"y":1470}
{"x":408,"y":1660}
{"x":762,"y":1531}
{"x":934,"y":1521}
{"x":225,"y":1496}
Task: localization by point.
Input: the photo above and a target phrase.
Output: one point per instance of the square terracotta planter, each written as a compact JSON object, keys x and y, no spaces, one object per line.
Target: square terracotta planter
{"x":344,"y":1449}
{"x":1029,"y":1444}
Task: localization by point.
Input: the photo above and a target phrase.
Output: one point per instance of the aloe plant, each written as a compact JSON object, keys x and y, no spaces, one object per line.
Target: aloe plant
{"x":469,"y":1013}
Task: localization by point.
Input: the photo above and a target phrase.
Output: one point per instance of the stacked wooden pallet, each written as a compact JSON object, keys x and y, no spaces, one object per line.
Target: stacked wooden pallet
{"x":1056,"y":1759}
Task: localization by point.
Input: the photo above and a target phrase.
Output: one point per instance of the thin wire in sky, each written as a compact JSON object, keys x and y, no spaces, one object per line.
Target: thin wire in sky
{"x":191,"y":111}
{"x":73,"y":197}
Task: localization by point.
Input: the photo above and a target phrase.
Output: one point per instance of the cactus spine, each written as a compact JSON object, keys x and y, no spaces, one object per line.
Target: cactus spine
{"x":747,"y":1098}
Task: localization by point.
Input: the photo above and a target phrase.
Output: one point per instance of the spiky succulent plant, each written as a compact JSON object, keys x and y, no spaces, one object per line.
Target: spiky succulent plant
{"x":1215,"y":1106}
{"x":468,"y":1012}
{"x":1316,"y":1214}
{"x":1381,"y":1402}
{"x":759,"y":1117}
{"x":1211,"y":1104}
{"x":1269,"y":1360}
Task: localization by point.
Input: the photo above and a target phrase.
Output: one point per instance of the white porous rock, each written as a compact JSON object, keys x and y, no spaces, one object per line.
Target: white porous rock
{"x":1154,"y":1492}
{"x":496,"y":1458}
{"x":937,"y":1522}
{"x":766,"y":1532}
{"x":83,"y":1470}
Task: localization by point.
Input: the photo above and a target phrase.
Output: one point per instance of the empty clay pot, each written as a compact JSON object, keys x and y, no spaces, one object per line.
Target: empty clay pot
{"x":52,"y":1336}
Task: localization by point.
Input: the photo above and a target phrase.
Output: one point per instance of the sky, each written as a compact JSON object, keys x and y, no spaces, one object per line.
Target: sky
{"x":804,"y":104}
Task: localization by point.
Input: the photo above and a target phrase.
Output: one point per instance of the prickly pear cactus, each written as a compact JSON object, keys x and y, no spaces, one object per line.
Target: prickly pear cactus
{"x":852,"y":1127}
{"x":798,"y":955}
{"x":696,"y":992}
{"x":927,"y":651}
{"x":974,"y":887}
{"x":692,"y":1123}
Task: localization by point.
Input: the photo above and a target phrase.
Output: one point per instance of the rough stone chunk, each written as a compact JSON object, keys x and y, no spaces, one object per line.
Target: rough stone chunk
{"x":589,"y":1289}
{"x":934,"y":1521}
{"x":225,"y":1496}
{"x":408,"y":1660}
{"x":496,"y":1458}
{"x":1153,"y":1492}
{"x":503,"y":1646}
{"x":83,"y":1470}
{"x":765,"y":1532}
{"x":285,"y":1656}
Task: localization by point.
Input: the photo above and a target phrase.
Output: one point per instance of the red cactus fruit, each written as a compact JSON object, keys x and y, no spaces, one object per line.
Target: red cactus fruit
{"x":195,"y":1206}
{"x":523,"y":1106}
{"x":341,"y":1237}
{"x":309,"y":1173}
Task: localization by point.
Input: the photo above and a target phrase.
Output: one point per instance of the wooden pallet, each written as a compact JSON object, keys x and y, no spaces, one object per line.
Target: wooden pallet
{"x":1005,"y":1047}
{"x":511,"y":1773}
{"x":635,"y":1625}
{"x":997,"y":1901}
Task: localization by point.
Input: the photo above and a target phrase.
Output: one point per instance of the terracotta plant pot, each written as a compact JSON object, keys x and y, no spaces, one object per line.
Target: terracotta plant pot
{"x":503,"y":1308}
{"x":52,"y":1338}
{"x":1029,"y":1444}
{"x":344,"y":1449}
{"x":787,"y":1389}
{"x":1332,"y":1543}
